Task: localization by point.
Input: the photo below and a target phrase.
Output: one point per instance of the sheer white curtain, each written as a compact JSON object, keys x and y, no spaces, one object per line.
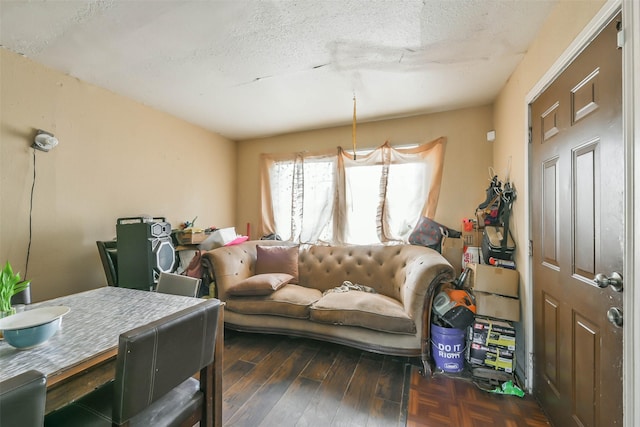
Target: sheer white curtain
{"x":334,"y":198}
{"x":297,"y":196}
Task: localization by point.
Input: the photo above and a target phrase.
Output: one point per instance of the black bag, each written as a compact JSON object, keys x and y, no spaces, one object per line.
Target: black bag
{"x":496,"y":245}
{"x":271,"y":236}
{"x":497,"y":241}
{"x":489,"y":212}
{"x":429,"y":233}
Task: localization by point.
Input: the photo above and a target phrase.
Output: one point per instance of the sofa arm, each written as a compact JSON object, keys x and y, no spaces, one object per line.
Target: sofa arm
{"x":426,"y":270}
{"x":231,"y":264}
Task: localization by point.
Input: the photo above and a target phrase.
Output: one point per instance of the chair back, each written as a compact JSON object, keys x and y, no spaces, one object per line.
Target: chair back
{"x":109,"y":256}
{"x":177,"y":284}
{"x":22,"y":400}
{"x":157,"y":357}
{"x":22,"y":297}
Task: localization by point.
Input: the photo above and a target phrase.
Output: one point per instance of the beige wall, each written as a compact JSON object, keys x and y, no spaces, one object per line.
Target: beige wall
{"x":116,"y":158}
{"x":564,"y":23}
{"x":119,"y":158}
{"x":467,"y":159}
{"x":567,"y":19}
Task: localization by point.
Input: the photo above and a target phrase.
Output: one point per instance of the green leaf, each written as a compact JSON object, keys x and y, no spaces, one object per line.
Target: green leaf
{"x":10,"y":284}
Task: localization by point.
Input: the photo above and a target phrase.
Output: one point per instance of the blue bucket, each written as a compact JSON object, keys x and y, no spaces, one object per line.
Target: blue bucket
{"x":447,"y":347}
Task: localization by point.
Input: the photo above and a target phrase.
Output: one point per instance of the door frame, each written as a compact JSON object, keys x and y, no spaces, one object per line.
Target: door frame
{"x":631,"y":123}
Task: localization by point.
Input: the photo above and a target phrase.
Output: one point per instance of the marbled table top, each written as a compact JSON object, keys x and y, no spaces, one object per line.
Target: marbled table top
{"x":96,"y":320}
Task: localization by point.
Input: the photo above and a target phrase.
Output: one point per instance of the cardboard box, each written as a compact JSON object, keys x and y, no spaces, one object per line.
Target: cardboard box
{"x":190,"y":238}
{"x":492,"y":333}
{"x":452,"y":251}
{"x":493,"y":357}
{"x":472,"y":238}
{"x":494,"y":280}
{"x":496,"y":306}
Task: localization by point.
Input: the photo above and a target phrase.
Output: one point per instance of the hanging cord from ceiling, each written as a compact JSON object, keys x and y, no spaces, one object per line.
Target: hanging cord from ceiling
{"x":33,"y":184}
{"x":353,"y":130}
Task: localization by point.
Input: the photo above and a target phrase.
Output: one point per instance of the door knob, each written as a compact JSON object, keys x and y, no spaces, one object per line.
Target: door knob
{"x":614,"y":314}
{"x":615,"y":281}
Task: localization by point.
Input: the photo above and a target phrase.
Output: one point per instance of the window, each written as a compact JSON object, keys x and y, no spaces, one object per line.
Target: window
{"x":301,"y":195}
{"x":362,"y":200}
{"x":334,"y":198}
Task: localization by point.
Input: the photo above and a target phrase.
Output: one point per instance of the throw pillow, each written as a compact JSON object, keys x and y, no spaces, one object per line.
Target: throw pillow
{"x":277,"y":259}
{"x":260,"y":284}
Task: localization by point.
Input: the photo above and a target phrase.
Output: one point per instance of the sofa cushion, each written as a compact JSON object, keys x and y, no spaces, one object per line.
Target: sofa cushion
{"x":260,"y":284}
{"x":288,"y":301}
{"x":277,"y":259}
{"x":355,"y":308}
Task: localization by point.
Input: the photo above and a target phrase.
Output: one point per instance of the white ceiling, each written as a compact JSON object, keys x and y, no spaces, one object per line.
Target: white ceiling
{"x":248,"y":69}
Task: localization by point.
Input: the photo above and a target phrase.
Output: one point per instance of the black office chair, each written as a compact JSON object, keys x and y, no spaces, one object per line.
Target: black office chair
{"x":109,"y":256}
{"x":154,"y":384}
{"x":22,"y":400}
{"x":23,"y":297}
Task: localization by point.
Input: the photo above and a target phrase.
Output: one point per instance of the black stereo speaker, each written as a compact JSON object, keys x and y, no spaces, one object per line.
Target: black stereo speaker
{"x":145,"y":250}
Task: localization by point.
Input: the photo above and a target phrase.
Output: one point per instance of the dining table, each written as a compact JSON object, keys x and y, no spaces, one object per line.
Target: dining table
{"x":81,"y":355}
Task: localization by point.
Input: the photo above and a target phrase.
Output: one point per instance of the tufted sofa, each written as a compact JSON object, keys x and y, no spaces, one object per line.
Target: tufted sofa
{"x":391,"y":317}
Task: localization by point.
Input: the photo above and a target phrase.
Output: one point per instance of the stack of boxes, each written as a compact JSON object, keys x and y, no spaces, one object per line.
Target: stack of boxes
{"x":491,"y":339}
{"x":472,"y":239}
{"x":492,"y":344}
{"x":495,"y":290}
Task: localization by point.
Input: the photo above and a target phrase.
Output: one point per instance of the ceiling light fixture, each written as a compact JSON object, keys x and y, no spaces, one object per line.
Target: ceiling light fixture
{"x":44,"y":141}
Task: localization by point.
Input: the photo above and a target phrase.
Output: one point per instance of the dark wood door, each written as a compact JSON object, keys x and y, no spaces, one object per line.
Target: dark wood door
{"x":577,"y":231}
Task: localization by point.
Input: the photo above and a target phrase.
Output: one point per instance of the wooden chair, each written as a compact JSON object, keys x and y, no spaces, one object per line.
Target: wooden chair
{"x":154,"y":384}
{"x":22,"y":400}
{"x":177,"y":284}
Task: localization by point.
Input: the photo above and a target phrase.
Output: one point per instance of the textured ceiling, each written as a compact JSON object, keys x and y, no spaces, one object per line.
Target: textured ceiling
{"x":248,"y":69}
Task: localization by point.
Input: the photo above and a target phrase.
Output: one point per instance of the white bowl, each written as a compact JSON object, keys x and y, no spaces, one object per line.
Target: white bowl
{"x":31,"y":328}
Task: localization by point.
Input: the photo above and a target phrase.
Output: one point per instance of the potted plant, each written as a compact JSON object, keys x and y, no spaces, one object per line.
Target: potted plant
{"x":10,"y":284}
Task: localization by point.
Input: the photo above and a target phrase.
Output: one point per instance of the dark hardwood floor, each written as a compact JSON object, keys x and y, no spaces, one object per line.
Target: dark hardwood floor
{"x":272,"y":380}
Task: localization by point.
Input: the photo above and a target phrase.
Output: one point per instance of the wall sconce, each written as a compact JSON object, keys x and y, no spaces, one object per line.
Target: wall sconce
{"x":44,"y":141}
